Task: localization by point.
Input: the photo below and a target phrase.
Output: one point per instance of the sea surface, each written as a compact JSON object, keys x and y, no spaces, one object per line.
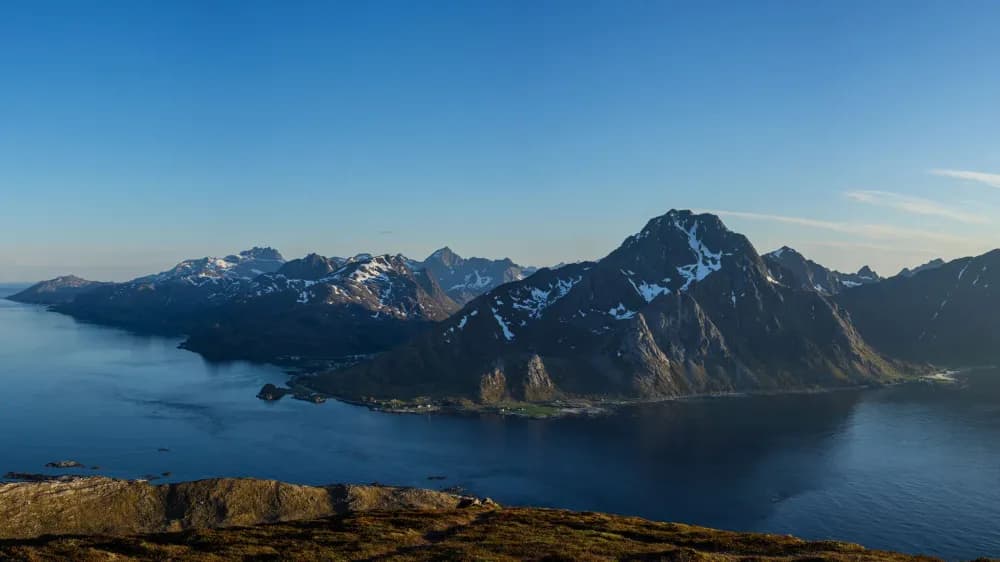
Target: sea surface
{"x":914,"y":468}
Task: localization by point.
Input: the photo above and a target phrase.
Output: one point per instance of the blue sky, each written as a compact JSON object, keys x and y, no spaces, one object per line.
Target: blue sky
{"x":134,"y":134}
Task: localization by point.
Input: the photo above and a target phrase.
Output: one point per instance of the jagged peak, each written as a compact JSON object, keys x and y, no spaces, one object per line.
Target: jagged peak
{"x":867,"y":272}
{"x":446,"y":256}
{"x":682,"y":219}
{"x":784,"y":251}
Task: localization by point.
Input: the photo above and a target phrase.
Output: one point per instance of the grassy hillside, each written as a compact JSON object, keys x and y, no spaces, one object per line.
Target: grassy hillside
{"x":98,"y":519}
{"x":476,"y":533}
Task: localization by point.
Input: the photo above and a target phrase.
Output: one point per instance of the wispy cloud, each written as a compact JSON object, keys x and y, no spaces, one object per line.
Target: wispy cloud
{"x":871,"y":231}
{"x":894,"y":249}
{"x":992,"y":180}
{"x":914,"y":205}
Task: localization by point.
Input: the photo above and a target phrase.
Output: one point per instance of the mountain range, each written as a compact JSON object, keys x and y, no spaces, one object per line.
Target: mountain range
{"x":257,"y":305}
{"x":683,"y":307}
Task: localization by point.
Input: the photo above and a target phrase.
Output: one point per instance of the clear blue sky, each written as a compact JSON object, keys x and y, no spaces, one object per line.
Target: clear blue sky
{"x":134,"y":134}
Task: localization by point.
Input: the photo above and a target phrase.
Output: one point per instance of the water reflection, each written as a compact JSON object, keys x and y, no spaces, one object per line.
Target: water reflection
{"x":914,"y":468}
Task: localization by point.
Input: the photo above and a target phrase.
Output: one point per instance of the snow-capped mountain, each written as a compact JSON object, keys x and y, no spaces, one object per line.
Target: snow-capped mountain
{"x":466,"y":278}
{"x":683,"y":307}
{"x":324,"y":307}
{"x":224,"y":303}
{"x":948,"y":314}
{"x":234,"y":268}
{"x":795,"y":270}
{"x":171,"y":301}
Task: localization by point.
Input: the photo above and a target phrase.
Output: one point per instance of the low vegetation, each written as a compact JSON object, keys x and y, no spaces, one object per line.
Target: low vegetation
{"x":475,"y":533}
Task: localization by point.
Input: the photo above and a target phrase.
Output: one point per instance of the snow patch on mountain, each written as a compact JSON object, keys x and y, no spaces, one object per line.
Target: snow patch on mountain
{"x":535,"y":300}
{"x":504,"y":327}
{"x":621,"y":313}
{"x":707,"y":261}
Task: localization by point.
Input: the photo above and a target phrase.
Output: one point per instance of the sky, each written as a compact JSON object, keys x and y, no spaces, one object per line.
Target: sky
{"x":137,"y":134}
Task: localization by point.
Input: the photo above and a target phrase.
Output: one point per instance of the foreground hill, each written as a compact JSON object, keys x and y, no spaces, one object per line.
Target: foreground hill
{"x":947,"y":314}
{"x":684,"y":307}
{"x":56,"y":291}
{"x":265,"y":520}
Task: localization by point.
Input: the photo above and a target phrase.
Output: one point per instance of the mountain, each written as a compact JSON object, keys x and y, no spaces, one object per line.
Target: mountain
{"x":949,"y":314}
{"x":683,"y":307}
{"x":325,"y":308}
{"x":170,"y":301}
{"x":56,"y":291}
{"x":466,"y":278}
{"x":793,"y":269}
{"x":933,"y":264}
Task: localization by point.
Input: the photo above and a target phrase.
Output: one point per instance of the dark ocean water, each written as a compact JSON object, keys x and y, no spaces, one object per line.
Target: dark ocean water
{"x":914,"y":468}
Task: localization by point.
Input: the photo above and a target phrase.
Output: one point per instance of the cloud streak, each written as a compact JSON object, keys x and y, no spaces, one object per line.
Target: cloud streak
{"x":914,"y":205}
{"x":992,"y":180}
{"x":872,"y":231}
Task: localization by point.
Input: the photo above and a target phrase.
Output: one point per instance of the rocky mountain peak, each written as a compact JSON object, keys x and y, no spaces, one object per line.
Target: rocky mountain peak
{"x":785,"y":252}
{"x":259,"y":253}
{"x":311,"y":267}
{"x":445,"y":256}
{"x":868,"y":273}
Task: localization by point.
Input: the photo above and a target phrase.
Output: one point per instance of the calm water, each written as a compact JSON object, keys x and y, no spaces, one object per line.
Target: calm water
{"x":913,"y":468}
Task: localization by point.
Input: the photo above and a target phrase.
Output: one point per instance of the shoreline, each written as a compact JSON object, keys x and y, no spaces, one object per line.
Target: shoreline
{"x":580,"y":407}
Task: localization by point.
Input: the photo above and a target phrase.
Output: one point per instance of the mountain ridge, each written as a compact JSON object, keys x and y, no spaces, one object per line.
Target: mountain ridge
{"x":792,"y":268}
{"x":946,"y":314}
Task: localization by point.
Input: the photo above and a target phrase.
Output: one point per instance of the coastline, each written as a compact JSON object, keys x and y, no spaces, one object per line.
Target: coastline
{"x":585,"y":407}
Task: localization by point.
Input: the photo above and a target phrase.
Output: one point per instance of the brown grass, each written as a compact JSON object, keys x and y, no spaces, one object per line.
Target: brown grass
{"x":475,"y":533}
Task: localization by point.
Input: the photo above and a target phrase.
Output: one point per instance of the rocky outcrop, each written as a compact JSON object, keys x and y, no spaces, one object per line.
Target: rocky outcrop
{"x":493,"y":384}
{"x":537,"y":385}
{"x":105,"y":506}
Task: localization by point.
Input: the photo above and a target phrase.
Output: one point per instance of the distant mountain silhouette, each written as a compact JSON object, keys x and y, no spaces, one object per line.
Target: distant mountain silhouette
{"x":56,"y":291}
